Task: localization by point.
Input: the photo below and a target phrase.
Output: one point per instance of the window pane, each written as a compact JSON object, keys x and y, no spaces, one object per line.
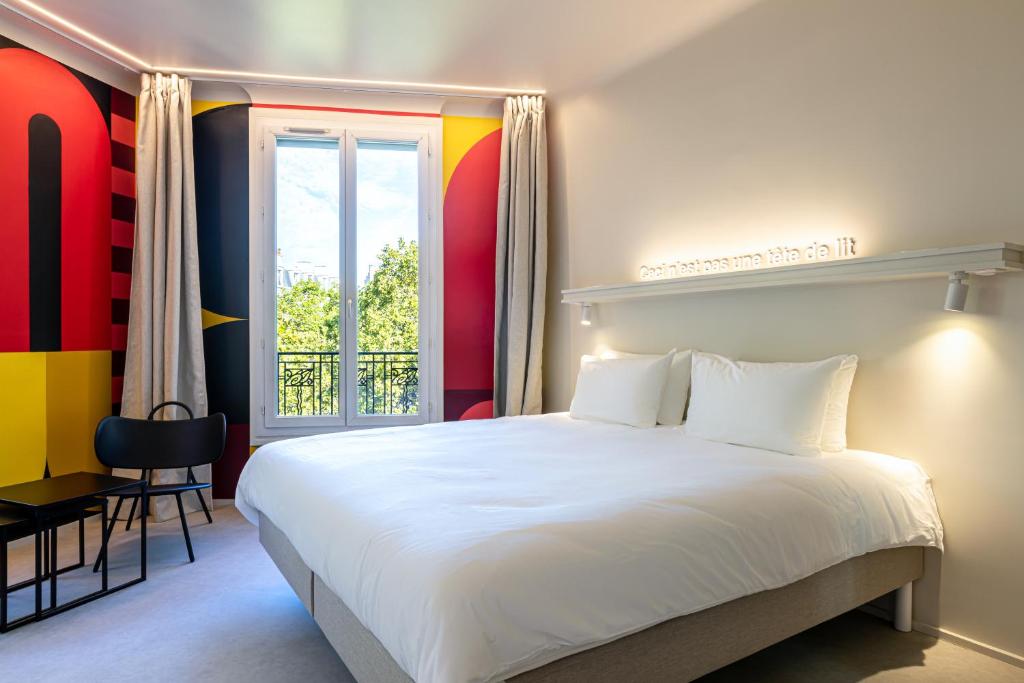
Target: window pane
{"x":308,"y":276}
{"x":387,"y":278}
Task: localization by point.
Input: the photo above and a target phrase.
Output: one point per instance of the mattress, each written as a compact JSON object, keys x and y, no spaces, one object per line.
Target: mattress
{"x":475,"y":551}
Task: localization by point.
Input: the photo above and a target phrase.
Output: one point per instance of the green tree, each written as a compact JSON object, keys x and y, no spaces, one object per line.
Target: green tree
{"x":307,"y":322}
{"x":388,"y":320}
{"x":389,"y":301}
{"x":308,"y":319}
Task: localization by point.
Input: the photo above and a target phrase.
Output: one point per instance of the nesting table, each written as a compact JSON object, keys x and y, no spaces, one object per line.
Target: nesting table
{"x":39,"y":508}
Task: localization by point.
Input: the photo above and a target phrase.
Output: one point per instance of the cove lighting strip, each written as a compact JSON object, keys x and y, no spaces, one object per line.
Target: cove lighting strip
{"x":76,"y":34}
{"x":84,"y":38}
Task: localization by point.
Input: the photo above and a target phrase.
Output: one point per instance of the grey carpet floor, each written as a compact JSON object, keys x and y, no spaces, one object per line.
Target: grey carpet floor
{"x":231,"y":617}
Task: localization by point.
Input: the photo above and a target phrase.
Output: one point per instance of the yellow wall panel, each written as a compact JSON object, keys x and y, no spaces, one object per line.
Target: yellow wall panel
{"x":77,"y":398}
{"x":199,"y":106}
{"x":460,"y":134}
{"x":22,"y":417}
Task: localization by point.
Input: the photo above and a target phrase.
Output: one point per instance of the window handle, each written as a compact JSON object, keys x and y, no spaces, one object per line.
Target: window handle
{"x":350,"y":311}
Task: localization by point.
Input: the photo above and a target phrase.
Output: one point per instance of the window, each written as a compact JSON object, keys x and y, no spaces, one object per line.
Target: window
{"x":345,"y":328}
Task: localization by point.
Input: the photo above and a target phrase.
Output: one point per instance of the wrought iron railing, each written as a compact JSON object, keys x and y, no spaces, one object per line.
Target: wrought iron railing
{"x":387,"y":383}
{"x":307,"y":383}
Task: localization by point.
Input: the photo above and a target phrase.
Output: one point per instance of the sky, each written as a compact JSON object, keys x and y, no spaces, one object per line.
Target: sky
{"x":308,"y":207}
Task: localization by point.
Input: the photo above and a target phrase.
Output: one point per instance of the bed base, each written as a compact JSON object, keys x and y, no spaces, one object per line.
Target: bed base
{"x":680,"y":649}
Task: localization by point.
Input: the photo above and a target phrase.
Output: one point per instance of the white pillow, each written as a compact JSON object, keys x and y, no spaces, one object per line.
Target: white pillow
{"x":775,"y":406}
{"x":621,"y":390}
{"x":833,"y":434}
{"x":677,"y":385}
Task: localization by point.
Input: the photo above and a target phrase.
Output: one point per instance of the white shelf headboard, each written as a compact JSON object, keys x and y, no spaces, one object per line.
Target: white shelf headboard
{"x":979,"y":259}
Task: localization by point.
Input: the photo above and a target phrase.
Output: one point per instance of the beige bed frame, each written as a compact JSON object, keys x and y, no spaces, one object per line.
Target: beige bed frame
{"x":680,"y":649}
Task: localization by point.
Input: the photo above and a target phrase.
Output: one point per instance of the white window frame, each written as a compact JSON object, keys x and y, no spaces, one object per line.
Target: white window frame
{"x":348,"y":128}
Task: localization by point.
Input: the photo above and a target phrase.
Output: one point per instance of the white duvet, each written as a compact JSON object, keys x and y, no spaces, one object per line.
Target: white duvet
{"x":478,"y":550}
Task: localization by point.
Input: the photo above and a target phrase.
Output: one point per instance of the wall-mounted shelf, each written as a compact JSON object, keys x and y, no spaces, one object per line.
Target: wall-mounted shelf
{"x":981,"y":259}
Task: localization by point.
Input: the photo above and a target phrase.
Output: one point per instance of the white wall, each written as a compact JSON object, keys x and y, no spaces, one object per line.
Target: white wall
{"x":35,"y":37}
{"x":900,"y":123}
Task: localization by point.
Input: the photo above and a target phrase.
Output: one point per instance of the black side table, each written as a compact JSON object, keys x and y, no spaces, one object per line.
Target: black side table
{"x":38,"y":508}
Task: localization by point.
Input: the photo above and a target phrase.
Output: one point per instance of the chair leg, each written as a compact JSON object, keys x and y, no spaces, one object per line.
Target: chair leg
{"x":184,"y":528}
{"x":117,"y":509}
{"x":131,"y":515}
{"x":144,"y":474}
{"x":202,"y":501}
{"x":206,"y":510}
{"x":107,"y":532}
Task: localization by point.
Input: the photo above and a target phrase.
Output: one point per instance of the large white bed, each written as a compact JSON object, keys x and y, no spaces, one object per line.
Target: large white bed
{"x":476,"y":551}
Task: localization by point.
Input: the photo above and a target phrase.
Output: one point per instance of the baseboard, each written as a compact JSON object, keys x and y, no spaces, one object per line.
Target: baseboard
{"x":951,"y":637}
{"x":970,"y":643}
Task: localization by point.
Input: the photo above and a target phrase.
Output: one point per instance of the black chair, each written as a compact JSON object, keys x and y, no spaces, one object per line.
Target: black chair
{"x":149,"y":445}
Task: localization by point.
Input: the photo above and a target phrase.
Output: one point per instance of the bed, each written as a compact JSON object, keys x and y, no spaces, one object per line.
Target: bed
{"x":544,"y":548}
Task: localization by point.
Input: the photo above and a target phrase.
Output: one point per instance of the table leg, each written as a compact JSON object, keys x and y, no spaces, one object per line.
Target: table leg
{"x":103,"y":544}
{"x":53,"y":567}
{"x":46,"y":555}
{"x":3,"y":581}
{"x":39,"y":568}
{"x":81,"y":537}
{"x":142,"y":541}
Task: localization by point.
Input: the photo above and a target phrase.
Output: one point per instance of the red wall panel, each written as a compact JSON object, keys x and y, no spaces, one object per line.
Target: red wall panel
{"x":470,"y":218}
{"x":34,"y":84}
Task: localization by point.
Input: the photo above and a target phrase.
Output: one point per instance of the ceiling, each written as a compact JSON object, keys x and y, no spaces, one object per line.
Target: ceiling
{"x":552,"y":45}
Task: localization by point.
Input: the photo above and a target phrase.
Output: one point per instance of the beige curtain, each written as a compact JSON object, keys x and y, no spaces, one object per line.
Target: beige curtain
{"x":521,"y":259}
{"x":164,"y":361}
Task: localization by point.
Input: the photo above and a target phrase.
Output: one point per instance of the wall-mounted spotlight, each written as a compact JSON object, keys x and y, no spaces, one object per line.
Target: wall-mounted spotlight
{"x":956,"y":293}
{"x":586,"y":315}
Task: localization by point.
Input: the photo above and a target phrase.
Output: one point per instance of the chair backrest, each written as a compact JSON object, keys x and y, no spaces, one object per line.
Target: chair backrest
{"x":154,"y":445}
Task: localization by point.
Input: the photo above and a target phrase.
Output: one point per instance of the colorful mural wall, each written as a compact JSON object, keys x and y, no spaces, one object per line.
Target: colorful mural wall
{"x":472,"y":151}
{"x":220,"y":135}
{"x":67,"y":188}
{"x":470,"y":161}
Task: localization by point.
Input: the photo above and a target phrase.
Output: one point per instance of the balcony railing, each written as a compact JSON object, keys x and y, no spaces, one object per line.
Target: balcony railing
{"x":387,"y":383}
